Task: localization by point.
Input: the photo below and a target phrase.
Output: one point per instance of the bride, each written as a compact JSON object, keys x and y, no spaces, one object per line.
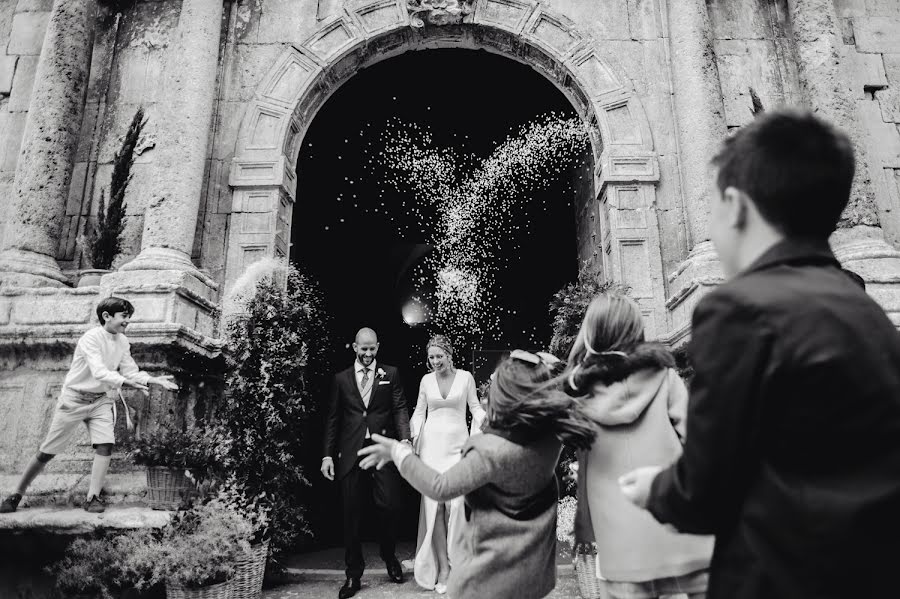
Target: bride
{"x":439,"y":431}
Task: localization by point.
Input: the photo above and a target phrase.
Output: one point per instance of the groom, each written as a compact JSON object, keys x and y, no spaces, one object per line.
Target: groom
{"x":365,"y":398}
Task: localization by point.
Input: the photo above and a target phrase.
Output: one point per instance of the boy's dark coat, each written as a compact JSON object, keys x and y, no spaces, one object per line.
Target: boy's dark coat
{"x":792,"y":457}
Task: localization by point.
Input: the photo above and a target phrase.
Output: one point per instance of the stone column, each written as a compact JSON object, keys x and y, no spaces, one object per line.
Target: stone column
{"x":700,"y":118}
{"x":859,"y":240}
{"x":47,"y":156}
{"x":170,"y":219}
{"x":699,"y":109}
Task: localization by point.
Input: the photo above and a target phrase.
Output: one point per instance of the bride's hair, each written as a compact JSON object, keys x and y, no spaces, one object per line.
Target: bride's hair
{"x":441,"y":342}
{"x":527,"y":398}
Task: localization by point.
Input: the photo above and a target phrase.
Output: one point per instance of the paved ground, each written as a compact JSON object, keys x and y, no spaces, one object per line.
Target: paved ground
{"x":377,"y":586}
{"x":319,"y":575}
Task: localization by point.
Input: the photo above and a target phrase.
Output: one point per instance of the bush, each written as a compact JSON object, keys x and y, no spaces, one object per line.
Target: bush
{"x":200,"y":546}
{"x":274,"y":363}
{"x":104,"y":566}
{"x":569,"y":305}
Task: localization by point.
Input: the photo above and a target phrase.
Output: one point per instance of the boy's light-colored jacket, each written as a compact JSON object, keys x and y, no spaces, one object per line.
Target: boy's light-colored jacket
{"x":641,"y":419}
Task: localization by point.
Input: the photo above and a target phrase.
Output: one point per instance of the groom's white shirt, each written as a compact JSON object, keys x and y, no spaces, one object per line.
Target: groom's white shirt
{"x":358,"y":371}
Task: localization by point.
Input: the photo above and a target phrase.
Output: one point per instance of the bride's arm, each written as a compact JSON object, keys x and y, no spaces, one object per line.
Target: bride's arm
{"x":418,"y":417}
{"x":478,"y":412}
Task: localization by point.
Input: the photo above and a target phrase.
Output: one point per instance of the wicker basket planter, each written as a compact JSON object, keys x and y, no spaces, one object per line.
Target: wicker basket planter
{"x":220,"y":590}
{"x":248,"y":573}
{"x":589,"y":586}
{"x":167,"y":487}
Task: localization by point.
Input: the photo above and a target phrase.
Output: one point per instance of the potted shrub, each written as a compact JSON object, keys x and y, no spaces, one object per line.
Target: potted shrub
{"x":197,"y":554}
{"x":106,"y":567}
{"x":176,"y":460}
{"x":101,"y":243}
{"x":250,"y":567}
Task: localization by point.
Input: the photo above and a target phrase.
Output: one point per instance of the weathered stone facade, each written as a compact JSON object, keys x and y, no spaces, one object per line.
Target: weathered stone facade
{"x":230,"y":88}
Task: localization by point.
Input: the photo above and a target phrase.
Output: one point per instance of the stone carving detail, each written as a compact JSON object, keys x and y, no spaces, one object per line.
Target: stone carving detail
{"x":438,"y":12}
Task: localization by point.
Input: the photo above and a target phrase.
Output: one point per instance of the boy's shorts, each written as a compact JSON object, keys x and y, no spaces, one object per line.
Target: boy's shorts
{"x":73,"y":408}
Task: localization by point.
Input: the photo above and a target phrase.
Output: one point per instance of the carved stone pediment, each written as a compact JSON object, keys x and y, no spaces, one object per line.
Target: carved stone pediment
{"x":438,"y":12}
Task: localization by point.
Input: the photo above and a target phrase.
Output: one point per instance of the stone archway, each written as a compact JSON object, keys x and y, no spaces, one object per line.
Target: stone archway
{"x":625,"y":236}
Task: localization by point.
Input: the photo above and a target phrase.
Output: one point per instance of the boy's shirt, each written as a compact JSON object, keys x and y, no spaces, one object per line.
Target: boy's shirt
{"x":792,"y":455}
{"x":102,"y":362}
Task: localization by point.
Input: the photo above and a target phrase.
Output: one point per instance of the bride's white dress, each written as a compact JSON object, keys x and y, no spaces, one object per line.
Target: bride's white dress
{"x":441,"y":424}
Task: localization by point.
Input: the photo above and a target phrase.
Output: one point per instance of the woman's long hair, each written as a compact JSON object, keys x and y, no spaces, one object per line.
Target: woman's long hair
{"x":610,"y":345}
{"x":526,"y":397}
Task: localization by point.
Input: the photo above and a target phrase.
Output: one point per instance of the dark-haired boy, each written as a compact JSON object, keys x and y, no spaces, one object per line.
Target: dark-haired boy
{"x":792,"y":455}
{"x":102,"y":363}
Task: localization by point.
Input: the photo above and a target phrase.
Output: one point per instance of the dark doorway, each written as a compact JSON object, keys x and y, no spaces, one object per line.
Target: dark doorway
{"x":362,"y":241}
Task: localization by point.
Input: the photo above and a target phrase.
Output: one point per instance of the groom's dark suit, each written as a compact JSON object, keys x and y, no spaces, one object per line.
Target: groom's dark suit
{"x":345,"y":434}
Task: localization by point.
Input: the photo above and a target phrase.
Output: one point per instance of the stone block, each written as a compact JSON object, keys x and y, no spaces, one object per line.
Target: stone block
{"x":245,"y":67}
{"x":863,"y":71}
{"x":286,"y":21}
{"x":659,"y":111}
{"x":7,"y":10}
{"x":53,"y":309}
{"x":644,"y":19}
{"x":739,"y":20}
{"x":670,"y":215}
{"x":877,"y":34}
{"x":27,"y":35}
{"x":12,"y":125}
{"x":611,"y":23}
{"x":34,"y":5}
{"x":7,"y":69}
{"x":77,"y":189}
{"x":892,"y":68}
{"x":850,"y":8}
{"x":744,"y":64}
{"x":129,"y":75}
{"x":229,"y":118}
{"x":883,"y":8}
{"x":889,"y":101}
{"x":883,"y":138}
{"x":23,"y":81}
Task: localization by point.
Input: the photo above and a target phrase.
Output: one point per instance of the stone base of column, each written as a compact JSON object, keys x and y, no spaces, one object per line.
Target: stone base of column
{"x":700,"y":272}
{"x":23,"y":268}
{"x":166,"y":259}
{"x":863,"y":250}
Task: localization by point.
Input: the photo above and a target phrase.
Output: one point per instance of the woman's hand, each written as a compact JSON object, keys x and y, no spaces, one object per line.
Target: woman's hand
{"x":378,"y":454}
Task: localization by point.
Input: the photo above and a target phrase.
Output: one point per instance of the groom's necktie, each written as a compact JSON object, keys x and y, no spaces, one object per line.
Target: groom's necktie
{"x":365,"y":378}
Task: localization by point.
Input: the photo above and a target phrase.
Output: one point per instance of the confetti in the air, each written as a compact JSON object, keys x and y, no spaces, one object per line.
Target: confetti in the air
{"x":472,"y":226}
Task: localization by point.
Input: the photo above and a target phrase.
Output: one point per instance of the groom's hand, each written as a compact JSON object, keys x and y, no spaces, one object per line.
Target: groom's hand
{"x":328,"y":468}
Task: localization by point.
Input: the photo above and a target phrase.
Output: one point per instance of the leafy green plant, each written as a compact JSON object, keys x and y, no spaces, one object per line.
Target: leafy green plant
{"x":274,"y":364}
{"x":569,"y":305}
{"x":106,"y":565}
{"x":199,"y":547}
{"x":101,"y":243}
{"x":203,"y":451}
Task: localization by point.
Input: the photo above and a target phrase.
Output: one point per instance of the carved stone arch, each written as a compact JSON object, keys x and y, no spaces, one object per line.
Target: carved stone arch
{"x":626,"y":170}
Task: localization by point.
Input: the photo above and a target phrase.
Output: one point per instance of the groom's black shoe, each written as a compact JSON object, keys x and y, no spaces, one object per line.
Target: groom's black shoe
{"x":394,"y":570}
{"x":351,"y":586}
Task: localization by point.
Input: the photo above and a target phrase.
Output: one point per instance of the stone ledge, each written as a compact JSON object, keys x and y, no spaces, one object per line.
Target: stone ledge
{"x":69,"y":488}
{"x":77,"y":521}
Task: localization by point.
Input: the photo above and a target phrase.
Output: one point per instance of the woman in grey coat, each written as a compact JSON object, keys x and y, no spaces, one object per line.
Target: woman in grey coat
{"x":507,"y":476}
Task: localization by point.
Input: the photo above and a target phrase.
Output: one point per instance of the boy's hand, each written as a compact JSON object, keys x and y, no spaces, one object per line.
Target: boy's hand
{"x":136,"y":385}
{"x":635,"y":485}
{"x":165,"y":381}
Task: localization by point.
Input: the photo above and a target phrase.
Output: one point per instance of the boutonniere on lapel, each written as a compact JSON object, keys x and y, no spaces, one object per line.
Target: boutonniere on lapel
{"x":380,"y":374}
